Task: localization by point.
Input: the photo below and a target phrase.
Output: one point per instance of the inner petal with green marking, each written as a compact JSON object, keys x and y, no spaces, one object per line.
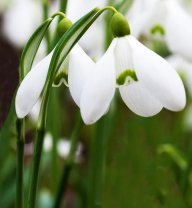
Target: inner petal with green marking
{"x":126,"y":77}
{"x":157,"y":29}
{"x":62,"y":74}
{"x":61,"y":77}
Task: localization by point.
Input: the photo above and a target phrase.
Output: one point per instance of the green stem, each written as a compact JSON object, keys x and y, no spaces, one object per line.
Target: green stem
{"x":63,"y":6}
{"x":102,"y":132}
{"x":45,"y":8}
{"x":54,"y":127}
{"x":38,"y":147}
{"x":20,"y":153}
{"x":35,"y":167}
{"x":68,"y":164}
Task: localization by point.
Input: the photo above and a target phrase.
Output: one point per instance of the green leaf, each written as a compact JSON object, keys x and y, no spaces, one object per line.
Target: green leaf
{"x":124,"y":6}
{"x":31,"y":48}
{"x":8,"y":131}
{"x":174,"y":154}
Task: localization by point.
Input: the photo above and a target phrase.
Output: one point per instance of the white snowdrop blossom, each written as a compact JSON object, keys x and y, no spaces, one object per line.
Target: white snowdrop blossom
{"x":75,"y":10}
{"x":146,"y":82}
{"x":184,"y":68}
{"x":20,"y":20}
{"x":165,"y":17}
{"x":63,"y":147}
{"x":32,"y":85}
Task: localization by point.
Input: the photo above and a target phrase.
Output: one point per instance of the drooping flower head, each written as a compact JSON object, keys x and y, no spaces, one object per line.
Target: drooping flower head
{"x":146,"y":82}
{"x":32,"y":85}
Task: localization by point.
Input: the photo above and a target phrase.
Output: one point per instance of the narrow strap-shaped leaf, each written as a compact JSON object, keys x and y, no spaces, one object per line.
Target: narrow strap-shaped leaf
{"x":33,"y":44}
{"x":31,"y":48}
{"x":124,"y":6}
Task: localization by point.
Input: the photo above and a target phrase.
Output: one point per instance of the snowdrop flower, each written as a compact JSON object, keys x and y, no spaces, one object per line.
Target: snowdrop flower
{"x":140,"y":15}
{"x":167,"y":17}
{"x":48,"y":140}
{"x":184,"y":68}
{"x":146,"y":82}
{"x":63,"y":146}
{"x":20,"y":20}
{"x":32,"y":85}
{"x":75,"y":10}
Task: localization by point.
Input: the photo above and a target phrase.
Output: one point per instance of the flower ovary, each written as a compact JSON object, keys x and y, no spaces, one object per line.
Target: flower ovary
{"x":119,"y":25}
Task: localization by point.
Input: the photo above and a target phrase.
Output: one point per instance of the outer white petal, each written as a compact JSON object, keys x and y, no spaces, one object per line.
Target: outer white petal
{"x":31,"y":87}
{"x":179,"y":30}
{"x":80,"y":69}
{"x":158,"y":76}
{"x":99,"y":89}
{"x":34,"y":113}
{"x":139,"y":100}
{"x":93,"y":40}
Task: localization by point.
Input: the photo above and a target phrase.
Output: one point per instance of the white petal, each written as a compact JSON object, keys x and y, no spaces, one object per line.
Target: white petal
{"x":93,"y":39}
{"x":123,"y":56}
{"x":184,"y":68}
{"x":99,"y":89}
{"x":158,"y":76}
{"x":34,"y":113}
{"x":80,"y":68}
{"x":179,"y":30}
{"x":176,"y":61}
{"x":139,"y":100}
{"x":141,"y":16}
{"x":31,"y":87}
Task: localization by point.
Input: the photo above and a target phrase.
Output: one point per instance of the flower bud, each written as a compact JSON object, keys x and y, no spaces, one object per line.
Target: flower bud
{"x":63,"y":26}
{"x":119,"y":25}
